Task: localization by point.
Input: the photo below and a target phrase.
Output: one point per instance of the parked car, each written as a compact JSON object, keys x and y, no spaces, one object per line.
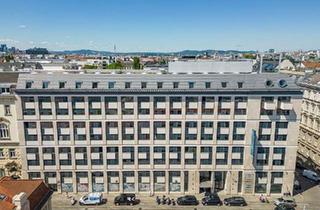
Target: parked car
{"x":235,"y":201}
{"x":187,"y":200}
{"x":211,"y":199}
{"x":284,"y":207}
{"x":311,"y":175}
{"x":287,"y":201}
{"x":91,"y":199}
{"x":125,"y":199}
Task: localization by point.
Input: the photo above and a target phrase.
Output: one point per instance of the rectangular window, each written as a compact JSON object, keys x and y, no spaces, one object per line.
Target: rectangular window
{"x":127,"y":85}
{"x":62,"y":85}
{"x":159,"y":85}
{"x":281,"y":131}
{"x":94,"y":85}
{"x":206,"y":130}
{"x":28,"y":84}
{"x":111,"y":85}
{"x":143,"y":85}
{"x":262,"y":156}
{"x":175,"y":85}
{"x":222,"y":156}
{"x":45,"y":84}
{"x":12,"y":153}
{"x":223,"y":131}
{"x":7,"y":110}
{"x":264,"y":131}
{"x":239,"y":131}
{"x":240,"y":105}
{"x":240,"y":84}
{"x":78,"y":85}
{"x":237,"y":155}
{"x":224,"y":84}
{"x":191,"y":85}
{"x":208,"y":84}
{"x":279,"y":156}
{"x":224,"y":105}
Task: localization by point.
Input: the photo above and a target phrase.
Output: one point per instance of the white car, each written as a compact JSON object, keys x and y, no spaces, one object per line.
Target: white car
{"x":91,"y":199}
{"x":311,"y":175}
{"x":288,"y":201}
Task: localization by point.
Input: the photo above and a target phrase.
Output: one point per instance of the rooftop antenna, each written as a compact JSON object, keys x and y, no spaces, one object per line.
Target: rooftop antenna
{"x":261,"y":61}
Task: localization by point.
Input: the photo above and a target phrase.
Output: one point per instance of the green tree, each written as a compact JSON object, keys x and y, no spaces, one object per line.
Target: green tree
{"x":136,"y":63}
{"x":249,"y":56}
{"x":88,"y":66}
{"x":8,"y":58}
{"x":116,"y":65}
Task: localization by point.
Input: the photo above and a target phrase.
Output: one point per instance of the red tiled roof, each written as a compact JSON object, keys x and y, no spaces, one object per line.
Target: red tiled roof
{"x":311,"y":65}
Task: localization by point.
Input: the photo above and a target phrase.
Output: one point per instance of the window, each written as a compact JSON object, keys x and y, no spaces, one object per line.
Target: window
{"x":281,"y":131}
{"x":1,"y":153}
{"x":240,"y":105}
{"x":276,"y":182}
{"x":224,"y":105}
{"x":224,"y":84}
{"x":127,"y":85}
{"x":208,"y":84}
{"x":143,"y":85}
{"x":95,"y":85}
{"x":262,"y":156}
{"x":267,"y":106}
{"x":159,"y":85}
{"x":239,"y":131}
{"x":278,"y":156}
{"x":237,"y":156}
{"x":222,"y":156}
{"x":261,"y":182}
{"x":223,"y":131}
{"x":264,"y":131}
{"x":28,"y":84}
{"x":4,"y":131}
{"x":4,"y":90}
{"x":62,"y":85}
{"x":175,"y":84}
{"x":7,"y":110}
{"x":111,"y":85}
{"x":78,"y":85}
{"x":191,"y":85}
{"x":240,"y":84}
{"x":45,"y":84}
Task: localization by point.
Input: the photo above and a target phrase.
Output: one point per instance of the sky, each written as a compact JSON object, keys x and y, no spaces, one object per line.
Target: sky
{"x":161,"y":25}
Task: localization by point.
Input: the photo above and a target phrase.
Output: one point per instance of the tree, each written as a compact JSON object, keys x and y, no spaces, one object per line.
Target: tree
{"x":136,"y":63}
{"x":88,"y":66}
{"x":13,"y":168}
{"x":115,"y":65}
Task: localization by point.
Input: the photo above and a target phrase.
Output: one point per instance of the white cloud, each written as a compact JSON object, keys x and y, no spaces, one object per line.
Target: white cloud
{"x":44,"y":42}
{"x":22,"y":26}
{"x":8,"y":40}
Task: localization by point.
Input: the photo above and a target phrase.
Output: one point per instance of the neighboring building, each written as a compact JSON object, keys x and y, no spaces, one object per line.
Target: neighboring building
{"x":9,"y":139}
{"x":24,"y":194}
{"x":287,"y":65}
{"x":160,"y":133}
{"x":309,"y":65}
{"x":309,"y":148}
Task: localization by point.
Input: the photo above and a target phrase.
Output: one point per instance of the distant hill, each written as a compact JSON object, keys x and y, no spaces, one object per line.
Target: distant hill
{"x":180,"y":53}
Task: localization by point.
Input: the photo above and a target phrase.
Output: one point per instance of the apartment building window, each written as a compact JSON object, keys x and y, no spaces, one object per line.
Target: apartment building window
{"x":111,"y":85}
{"x":144,"y":181}
{"x":223,"y":131}
{"x":63,"y":131}
{"x":191,"y":85}
{"x":224,"y":105}
{"x":95,"y":85}
{"x":12,"y":153}
{"x":94,"y":105}
{"x":45,"y":105}
{"x":34,"y":175}
{"x":66,"y":181}
{"x":267,"y":106}
{"x":96,"y":156}
{"x":237,"y":156}
{"x":28,"y":84}
{"x":284,"y":105}
{"x":159,"y":130}
{"x":175,"y":85}
{"x":262,"y":156}
{"x":281,"y":131}
{"x":113,"y":181}
{"x":112,"y":131}
{"x":276,"y":182}
{"x":112,"y":155}
{"x":127,"y":85}
{"x":78,"y":85}
{"x":127,"y":131}
{"x":61,"y":105}
{"x":159,"y":178}
{"x":159,"y":157}
{"x":111,"y":105}
{"x":207,"y":106}
{"x":7,"y":110}
{"x":45,"y":84}
{"x":81,"y":156}
{"x":222,"y":156}
{"x":175,"y":105}
{"x":143,"y":155}
{"x":5,"y":90}
{"x":65,"y":156}
{"x":62,"y":84}
{"x":30,"y":130}
{"x":207,"y":85}
{"x":190,"y":155}
{"x":79,"y":131}
{"x":4,"y":131}
{"x":191,"y":105}
{"x":239,"y":131}
{"x":28,"y":105}
{"x":127,"y":104}
{"x":49,"y":156}
{"x":95,"y":131}
{"x":264,"y":131}
{"x":224,"y":84}
{"x":144,"y":105}
{"x":175,"y":130}
{"x":143,"y":85}
{"x":144,"y":130}
{"x":128,"y":181}
{"x":78,"y":106}
{"x":46,"y":131}
{"x":206,"y":155}
{"x":1,"y":153}
{"x":33,"y":156}
{"x":159,"y":85}
{"x":240,"y":84}
{"x":191,"y":130}
{"x":279,"y":154}
{"x":240,"y":105}
{"x":261,"y":182}
{"x":175,"y":155}
{"x":159,"y":105}
{"x":51,"y":180}
{"x":127,"y":155}
{"x":206,"y":130}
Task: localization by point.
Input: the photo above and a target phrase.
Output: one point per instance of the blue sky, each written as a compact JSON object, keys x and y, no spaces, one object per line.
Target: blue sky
{"x":161,"y":25}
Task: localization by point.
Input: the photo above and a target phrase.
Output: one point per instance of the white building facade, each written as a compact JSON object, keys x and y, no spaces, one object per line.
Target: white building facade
{"x":148,"y":133}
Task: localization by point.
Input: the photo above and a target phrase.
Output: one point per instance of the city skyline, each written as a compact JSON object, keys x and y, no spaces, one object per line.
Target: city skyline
{"x":159,"y":26}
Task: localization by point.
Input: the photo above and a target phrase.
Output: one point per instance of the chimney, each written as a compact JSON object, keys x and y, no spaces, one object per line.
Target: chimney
{"x":21,"y":201}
